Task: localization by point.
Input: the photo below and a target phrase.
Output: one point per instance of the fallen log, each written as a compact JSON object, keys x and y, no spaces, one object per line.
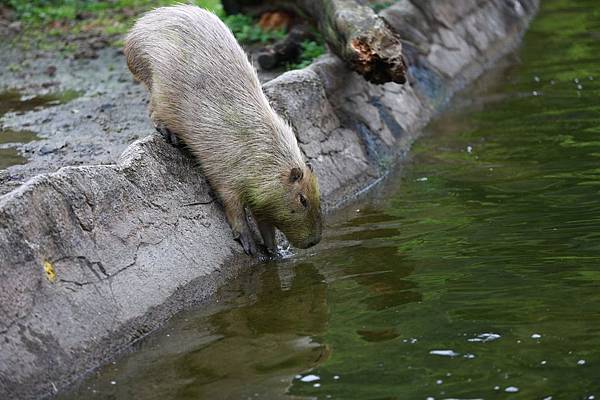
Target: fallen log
{"x":356,"y":34}
{"x":353,"y":31}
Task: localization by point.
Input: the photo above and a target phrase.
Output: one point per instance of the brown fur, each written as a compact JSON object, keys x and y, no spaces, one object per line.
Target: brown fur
{"x":204,"y":90}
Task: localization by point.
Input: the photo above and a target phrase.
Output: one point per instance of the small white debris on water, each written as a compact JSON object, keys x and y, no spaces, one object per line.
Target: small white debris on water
{"x":413,"y":340}
{"x":576,"y":80}
{"x":543,"y":362}
{"x":548,"y":398}
{"x":430,"y":398}
{"x":591,"y":78}
{"x":485,"y":337}
{"x":536,"y":78}
{"x":423,"y":179}
{"x":336,"y":377}
{"x":581,"y":362}
{"x":469,"y":355}
{"x":310,"y":378}
{"x":444,"y":353}
{"x":535,"y":93}
{"x":285,"y":252}
{"x":317,"y":385}
{"x":358,"y":210}
{"x":591,"y":397}
{"x":496,"y":387}
{"x":113,"y":382}
{"x":439,"y":381}
{"x":536,"y":336}
{"x":579,"y":87}
{"x":552,"y":82}
{"x":511,"y":389}
{"x":469,"y":149}
{"x":298,"y":376}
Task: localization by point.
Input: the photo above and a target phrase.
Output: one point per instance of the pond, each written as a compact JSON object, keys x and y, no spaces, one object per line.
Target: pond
{"x":473,"y":273}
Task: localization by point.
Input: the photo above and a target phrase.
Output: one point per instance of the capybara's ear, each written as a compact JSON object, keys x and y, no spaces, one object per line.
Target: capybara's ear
{"x":295,"y":174}
{"x":310,"y":167}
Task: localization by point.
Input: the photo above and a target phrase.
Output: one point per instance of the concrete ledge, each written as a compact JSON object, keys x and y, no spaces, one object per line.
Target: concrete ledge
{"x":128,"y":249}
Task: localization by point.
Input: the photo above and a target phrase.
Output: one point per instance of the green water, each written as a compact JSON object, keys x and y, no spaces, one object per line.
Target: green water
{"x":15,"y":101}
{"x":9,"y":155}
{"x":475,"y":273}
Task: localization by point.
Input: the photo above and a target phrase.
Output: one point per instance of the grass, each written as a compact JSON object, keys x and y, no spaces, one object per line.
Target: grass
{"x":112,"y":17}
{"x":310,"y":50}
{"x":40,"y":11}
{"x":52,"y":24}
{"x":247,"y":31}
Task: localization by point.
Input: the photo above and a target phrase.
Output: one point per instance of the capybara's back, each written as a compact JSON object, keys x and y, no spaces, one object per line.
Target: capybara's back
{"x":204,"y":90}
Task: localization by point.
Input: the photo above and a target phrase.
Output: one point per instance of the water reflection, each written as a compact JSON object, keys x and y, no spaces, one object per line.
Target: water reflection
{"x":261,"y":339}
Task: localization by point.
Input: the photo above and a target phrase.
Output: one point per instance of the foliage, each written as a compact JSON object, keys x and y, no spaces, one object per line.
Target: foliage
{"x":39,"y":11}
{"x":247,"y":31}
{"x":115,"y":17}
{"x":310,"y":50}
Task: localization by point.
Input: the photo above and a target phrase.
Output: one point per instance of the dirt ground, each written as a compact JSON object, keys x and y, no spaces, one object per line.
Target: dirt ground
{"x":83,"y":106}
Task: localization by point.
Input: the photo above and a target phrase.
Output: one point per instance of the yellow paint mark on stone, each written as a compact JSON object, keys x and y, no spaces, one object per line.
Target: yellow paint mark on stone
{"x":50,"y":272}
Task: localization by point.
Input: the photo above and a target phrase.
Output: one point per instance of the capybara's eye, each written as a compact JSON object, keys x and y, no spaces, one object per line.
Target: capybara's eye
{"x":303,"y":200}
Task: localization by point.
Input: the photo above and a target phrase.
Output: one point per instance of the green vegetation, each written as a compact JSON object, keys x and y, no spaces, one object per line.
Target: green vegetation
{"x":77,"y":16}
{"x":47,"y":22}
{"x":310,"y":50}
{"x":37,"y":11}
{"x":378,"y":6}
{"x":247,"y":31}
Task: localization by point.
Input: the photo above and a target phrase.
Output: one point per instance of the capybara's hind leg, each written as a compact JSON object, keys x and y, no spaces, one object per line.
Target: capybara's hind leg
{"x":236,"y":215}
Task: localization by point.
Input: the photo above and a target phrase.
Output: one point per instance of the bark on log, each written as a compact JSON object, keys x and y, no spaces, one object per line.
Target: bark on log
{"x":353,"y":31}
{"x":360,"y":37}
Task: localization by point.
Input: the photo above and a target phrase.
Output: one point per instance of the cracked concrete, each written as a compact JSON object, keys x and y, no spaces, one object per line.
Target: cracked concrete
{"x":135,"y":241}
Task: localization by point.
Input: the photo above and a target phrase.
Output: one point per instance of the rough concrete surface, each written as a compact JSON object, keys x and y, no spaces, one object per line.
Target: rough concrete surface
{"x":127,"y":247}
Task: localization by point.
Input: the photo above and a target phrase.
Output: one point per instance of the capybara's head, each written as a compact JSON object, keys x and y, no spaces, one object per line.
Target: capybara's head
{"x":295,"y":207}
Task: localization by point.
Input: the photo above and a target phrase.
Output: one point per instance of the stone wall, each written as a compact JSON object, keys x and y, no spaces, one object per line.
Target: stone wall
{"x":129,"y":250}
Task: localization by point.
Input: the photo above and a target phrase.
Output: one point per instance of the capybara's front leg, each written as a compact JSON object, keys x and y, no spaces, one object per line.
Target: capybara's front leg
{"x":236,"y":216}
{"x":267,"y":231}
{"x":169,"y":136}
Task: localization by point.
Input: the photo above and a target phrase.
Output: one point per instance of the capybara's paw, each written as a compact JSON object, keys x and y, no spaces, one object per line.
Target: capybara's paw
{"x":247,"y":242}
{"x":169,"y":136}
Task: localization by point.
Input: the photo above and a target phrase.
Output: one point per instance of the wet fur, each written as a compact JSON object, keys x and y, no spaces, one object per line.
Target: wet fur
{"x":204,"y":90}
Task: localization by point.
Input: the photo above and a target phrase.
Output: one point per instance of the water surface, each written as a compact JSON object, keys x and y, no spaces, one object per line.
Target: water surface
{"x":475,"y":273}
{"x":15,"y":101}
